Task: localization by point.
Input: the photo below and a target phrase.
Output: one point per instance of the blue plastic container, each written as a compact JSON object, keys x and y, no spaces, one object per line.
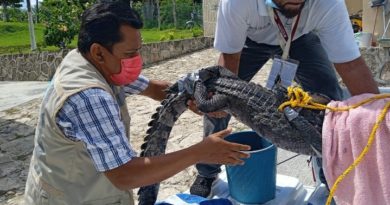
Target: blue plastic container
{"x":255,"y":181}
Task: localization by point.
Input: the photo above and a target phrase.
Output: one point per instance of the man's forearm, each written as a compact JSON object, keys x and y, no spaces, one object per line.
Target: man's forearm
{"x":144,"y":171}
{"x":155,"y":89}
{"x":230,"y":61}
{"x":357,"y":77}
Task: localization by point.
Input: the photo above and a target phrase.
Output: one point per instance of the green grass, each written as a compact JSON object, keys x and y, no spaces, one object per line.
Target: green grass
{"x":154,"y":35}
{"x":14,"y":37}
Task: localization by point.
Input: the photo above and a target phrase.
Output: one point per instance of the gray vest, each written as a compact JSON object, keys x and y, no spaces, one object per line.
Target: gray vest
{"x":61,"y":170}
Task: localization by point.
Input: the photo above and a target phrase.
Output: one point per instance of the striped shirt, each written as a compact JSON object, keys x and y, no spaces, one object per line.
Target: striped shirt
{"x":93,"y":117}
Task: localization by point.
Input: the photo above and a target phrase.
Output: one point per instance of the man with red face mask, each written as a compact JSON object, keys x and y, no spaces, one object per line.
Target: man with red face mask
{"x":82,"y":153}
{"x":307,"y":39}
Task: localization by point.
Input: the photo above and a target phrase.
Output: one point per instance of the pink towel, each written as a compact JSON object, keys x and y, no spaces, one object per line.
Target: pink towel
{"x":344,"y":135}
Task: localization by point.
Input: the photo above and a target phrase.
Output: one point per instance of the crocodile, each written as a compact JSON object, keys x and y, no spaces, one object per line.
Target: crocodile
{"x":296,"y":130}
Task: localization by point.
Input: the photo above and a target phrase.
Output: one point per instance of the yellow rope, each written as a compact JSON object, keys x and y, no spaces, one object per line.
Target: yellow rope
{"x":299,"y":98}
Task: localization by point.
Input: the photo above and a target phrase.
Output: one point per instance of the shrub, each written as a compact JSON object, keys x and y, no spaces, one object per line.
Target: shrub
{"x":196,"y":32}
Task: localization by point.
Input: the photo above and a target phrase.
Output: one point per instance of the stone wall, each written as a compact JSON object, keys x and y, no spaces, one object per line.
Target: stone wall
{"x":31,"y":67}
{"x":41,"y":66}
{"x":155,"y":52}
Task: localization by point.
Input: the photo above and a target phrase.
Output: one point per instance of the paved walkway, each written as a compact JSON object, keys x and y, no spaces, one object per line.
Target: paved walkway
{"x":17,"y":127}
{"x":13,"y":93}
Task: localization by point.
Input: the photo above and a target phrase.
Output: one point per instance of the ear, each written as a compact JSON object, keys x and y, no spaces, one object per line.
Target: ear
{"x":96,"y":51}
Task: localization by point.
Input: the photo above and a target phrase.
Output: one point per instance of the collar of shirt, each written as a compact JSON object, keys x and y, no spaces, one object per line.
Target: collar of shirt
{"x":262,"y":7}
{"x":270,"y":3}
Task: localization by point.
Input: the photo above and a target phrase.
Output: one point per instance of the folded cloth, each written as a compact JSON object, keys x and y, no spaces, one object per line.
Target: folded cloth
{"x":188,"y":199}
{"x":344,"y":136}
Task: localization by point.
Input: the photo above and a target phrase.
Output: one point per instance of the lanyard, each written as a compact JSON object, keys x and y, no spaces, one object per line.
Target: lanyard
{"x":287,"y":37}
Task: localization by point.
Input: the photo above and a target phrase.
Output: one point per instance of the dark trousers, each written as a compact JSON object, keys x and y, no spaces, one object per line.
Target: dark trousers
{"x":315,"y":74}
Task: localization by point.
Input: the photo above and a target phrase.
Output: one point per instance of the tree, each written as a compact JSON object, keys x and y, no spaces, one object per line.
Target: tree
{"x":149,"y":9}
{"x":37,"y":10}
{"x":9,"y":3}
{"x":174,"y":13}
{"x":62,"y":20}
{"x":31,"y":26}
{"x":158,"y":14}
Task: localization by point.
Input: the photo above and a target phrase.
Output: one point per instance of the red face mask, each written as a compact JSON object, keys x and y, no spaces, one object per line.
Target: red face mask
{"x":130,"y":70}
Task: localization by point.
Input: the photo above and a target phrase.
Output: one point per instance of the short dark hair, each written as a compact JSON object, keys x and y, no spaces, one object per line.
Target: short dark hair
{"x":101,"y":24}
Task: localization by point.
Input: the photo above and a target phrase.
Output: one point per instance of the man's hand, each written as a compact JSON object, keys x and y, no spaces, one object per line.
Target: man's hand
{"x":150,"y":170}
{"x":192,"y":106}
{"x":216,"y":150}
{"x":156,"y":89}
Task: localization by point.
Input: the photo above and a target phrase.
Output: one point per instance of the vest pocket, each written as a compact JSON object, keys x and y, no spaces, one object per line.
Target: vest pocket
{"x":43,"y":197}
{"x":35,"y":194}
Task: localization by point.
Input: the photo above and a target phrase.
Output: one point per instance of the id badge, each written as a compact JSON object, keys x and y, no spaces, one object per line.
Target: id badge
{"x":283,"y":71}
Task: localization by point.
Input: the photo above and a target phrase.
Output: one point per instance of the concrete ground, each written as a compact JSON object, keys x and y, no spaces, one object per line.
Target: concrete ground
{"x":13,"y":93}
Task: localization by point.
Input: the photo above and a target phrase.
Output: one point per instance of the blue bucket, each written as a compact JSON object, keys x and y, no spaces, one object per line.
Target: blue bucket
{"x":255,"y":181}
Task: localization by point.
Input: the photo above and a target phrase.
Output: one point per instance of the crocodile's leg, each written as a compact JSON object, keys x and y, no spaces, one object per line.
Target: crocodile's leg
{"x":208,"y":104}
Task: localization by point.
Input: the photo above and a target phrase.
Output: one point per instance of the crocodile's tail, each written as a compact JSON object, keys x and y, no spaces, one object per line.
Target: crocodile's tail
{"x":157,"y":136}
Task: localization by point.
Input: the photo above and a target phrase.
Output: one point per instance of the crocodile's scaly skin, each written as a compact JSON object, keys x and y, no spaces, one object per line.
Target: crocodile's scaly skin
{"x":250,"y":103}
{"x":157,"y":137}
